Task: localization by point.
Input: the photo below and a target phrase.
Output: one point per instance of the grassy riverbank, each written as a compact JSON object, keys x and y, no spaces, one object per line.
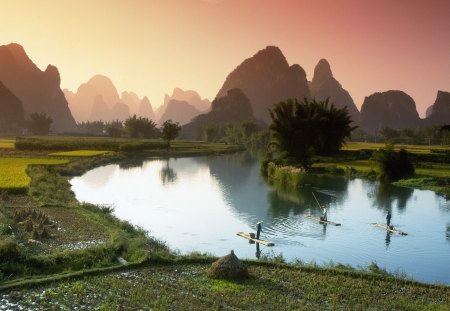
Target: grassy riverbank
{"x":432,"y":168}
{"x":183,"y":284}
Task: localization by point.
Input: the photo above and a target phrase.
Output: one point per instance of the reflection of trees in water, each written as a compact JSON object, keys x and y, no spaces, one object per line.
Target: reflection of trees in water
{"x":384,"y":195}
{"x":167,"y":174}
{"x":132,"y":163}
{"x":448,"y":232}
{"x":286,"y":200}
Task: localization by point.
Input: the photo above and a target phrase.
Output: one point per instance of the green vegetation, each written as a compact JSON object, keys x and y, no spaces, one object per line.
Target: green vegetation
{"x":170,"y":131}
{"x":178,"y":285}
{"x":13,"y":175}
{"x":393,"y":165}
{"x":141,"y":127}
{"x":310,"y":128}
{"x":420,"y":136}
{"x":78,"y":153}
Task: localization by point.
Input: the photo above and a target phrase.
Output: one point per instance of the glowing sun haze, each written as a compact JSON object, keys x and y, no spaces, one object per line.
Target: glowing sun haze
{"x":152,"y":46}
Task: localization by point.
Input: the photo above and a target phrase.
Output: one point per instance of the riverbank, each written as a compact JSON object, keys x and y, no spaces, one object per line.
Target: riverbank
{"x":431,"y":163}
{"x":183,"y":284}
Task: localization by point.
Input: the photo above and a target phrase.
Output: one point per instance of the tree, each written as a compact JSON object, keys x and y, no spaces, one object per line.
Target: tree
{"x":170,"y":131}
{"x":39,"y":123}
{"x":141,"y":127}
{"x":114,"y":128}
{"x":393,"y":165}
{"x":304,"y":129}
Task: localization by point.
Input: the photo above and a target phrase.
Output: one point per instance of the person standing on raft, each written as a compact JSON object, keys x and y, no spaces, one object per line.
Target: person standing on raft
{"x":388,"y":219}
{"x":258,"y":229}
{"x":324,"y":213}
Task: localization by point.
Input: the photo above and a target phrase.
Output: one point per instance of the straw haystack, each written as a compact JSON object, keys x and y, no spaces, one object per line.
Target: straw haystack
{"x":228,"y":267}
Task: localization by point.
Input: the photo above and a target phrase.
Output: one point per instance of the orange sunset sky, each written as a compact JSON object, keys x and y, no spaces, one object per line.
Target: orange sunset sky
{"x":152,"y":46}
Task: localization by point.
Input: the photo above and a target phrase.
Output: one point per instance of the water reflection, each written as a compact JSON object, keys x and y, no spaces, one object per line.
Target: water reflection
{"x":387,"y":240}
{"x":448,"y":232}
{"x":167,"y":174}
{"x":133,"y":162}
{"x":384,"y":196}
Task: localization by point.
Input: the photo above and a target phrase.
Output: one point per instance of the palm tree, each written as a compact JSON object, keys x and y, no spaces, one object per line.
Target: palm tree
{"x":308,"y":128}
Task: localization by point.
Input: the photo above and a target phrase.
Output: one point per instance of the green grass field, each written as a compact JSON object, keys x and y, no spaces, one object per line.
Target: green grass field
{"x":79,"y":153}
{"x":417,"y":149}
{"x":13,"y":175}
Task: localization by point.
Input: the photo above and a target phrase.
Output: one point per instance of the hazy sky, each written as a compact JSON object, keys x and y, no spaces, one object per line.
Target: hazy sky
{"x":152,"y":46}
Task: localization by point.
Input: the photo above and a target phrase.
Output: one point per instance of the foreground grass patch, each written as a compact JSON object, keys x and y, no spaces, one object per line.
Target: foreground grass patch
{"x":79,"y":153}
{"x":270,"y":287}
{"x":13,"y":175}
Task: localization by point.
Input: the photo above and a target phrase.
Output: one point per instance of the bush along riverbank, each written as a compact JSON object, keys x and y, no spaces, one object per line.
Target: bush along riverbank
{"x":430,"y":174}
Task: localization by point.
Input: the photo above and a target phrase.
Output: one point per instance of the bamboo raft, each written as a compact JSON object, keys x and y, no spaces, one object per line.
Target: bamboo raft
{"x":389,"y":229}
{"x":318,"y":219}
{"x":248,"y":237}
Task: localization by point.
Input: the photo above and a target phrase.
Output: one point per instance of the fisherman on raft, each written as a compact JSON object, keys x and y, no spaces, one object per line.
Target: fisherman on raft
{"x":258,"y":229}
{"x":324,"y":214}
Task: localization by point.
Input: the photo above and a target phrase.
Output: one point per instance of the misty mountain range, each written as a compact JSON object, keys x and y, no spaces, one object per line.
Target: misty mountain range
{"x":247,"y":93}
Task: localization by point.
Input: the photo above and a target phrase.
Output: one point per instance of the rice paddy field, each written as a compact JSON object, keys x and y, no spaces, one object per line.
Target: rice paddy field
{"x":7,"y":143}
{"x":13,"y":175}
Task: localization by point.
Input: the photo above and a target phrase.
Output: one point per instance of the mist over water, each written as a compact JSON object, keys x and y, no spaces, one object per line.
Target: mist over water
{"x":199,"y":204}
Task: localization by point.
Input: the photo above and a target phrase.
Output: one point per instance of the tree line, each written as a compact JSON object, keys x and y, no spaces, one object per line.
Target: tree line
{"x":133,"y":127}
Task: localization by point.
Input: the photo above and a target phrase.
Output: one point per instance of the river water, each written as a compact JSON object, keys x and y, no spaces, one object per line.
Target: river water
{"x":200,"y":203}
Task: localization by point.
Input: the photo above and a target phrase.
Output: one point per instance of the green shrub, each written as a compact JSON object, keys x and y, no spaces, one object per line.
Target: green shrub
{"x":394,"y":165}
{"x":9,"y":251}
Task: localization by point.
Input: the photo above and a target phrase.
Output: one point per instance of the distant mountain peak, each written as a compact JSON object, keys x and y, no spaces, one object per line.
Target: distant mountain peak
{"x":324,"y":85}
{"x":266,"y":79}
{"x":322,"y":72}
{"x":38,"y":91}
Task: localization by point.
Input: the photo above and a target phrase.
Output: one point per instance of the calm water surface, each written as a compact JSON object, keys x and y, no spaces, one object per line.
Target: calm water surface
{"x":198,"y":204}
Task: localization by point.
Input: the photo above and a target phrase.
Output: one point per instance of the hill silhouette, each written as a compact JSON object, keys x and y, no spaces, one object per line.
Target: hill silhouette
{"x":39,"y":91}
{"x":11,"y":111}
{"x":394,"y":109}
{"x":324,"y":85}
{"x":179,"y":111}
{"x":233,"y":107}
{"x":266,"y":79}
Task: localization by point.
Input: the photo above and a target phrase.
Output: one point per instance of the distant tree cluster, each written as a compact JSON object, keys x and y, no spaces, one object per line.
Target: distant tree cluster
{"x":393,"y":165}
{"x":432,"y":135}
{"x":246,"y":133}
{"x":134,"y":127}
{"x":301,"y":130}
